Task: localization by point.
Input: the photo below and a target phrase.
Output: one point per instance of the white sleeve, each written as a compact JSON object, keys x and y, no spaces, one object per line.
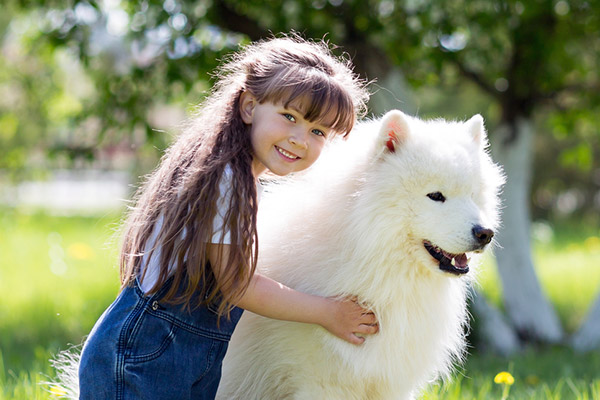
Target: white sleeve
{"x":223,"y":204}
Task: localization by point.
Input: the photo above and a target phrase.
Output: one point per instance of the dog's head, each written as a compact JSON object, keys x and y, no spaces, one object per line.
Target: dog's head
{"x":438,"y":178}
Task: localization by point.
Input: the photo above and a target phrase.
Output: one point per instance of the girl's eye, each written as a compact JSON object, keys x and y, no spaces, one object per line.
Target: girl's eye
{"x":289,"y":117}
{"x":318,"y":132}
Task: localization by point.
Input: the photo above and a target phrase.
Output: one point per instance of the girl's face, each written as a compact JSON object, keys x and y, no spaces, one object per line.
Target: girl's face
{"x":282,"y":140}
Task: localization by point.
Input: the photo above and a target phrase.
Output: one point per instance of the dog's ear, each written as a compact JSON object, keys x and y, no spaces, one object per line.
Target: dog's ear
{"x":394,"y":130}
{"x":477,"y":130}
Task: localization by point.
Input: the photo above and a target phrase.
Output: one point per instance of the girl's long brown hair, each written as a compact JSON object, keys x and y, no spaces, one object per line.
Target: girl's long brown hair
{"x":183,"y":190}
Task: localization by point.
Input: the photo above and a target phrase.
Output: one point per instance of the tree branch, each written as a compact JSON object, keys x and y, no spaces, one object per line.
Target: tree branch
{"x":474,"y":77}
{"x":230,"y":19}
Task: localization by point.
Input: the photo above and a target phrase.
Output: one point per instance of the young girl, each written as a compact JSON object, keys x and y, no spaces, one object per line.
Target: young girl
{"x":190,"y":244}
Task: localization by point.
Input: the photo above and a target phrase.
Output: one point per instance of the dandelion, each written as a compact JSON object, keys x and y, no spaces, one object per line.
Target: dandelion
{"x":80,"y":251}
{"x":532,"y":380}
{"x":506,"y":380}
{"x":57,"y":391}
{"x":592,"y":243}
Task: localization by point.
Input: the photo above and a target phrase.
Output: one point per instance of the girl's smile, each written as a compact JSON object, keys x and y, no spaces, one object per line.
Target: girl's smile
{"x":286,"y":154}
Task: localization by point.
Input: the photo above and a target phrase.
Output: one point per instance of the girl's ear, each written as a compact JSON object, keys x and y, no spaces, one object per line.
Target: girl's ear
{"x":394,"y":129}
{"x":247,"y":104}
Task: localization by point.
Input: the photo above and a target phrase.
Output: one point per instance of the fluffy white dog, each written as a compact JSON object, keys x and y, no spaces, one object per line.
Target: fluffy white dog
{"x":397,"y":215}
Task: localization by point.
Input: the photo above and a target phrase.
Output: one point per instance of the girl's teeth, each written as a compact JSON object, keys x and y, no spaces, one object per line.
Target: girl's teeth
{"x":285,"y":153}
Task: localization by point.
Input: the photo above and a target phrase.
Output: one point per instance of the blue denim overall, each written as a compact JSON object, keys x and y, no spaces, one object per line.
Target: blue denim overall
{"x":142,"y":348}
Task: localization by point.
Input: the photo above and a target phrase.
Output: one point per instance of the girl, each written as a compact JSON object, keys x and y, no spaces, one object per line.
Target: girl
{"x":190,"y":244}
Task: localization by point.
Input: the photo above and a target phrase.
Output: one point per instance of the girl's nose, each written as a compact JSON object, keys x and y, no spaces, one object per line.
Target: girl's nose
{"x":299,"y":139}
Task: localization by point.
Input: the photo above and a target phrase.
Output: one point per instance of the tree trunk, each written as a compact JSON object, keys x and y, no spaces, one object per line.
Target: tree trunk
{"x":527,"y":306}
{"x":493,"y":330}
{"x":588,"y":336}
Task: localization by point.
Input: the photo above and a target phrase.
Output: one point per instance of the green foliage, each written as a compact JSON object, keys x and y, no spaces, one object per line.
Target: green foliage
{"x":520,"y":52}
{"x":505,"y":59}
{"x":77,"y":87}
{"x":567,"y":163}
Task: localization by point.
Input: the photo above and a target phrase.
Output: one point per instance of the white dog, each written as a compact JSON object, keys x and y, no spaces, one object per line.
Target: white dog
{"x":392,"y":215}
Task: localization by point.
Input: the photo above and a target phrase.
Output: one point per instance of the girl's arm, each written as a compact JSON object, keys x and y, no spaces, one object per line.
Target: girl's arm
{"x":343,"y":318}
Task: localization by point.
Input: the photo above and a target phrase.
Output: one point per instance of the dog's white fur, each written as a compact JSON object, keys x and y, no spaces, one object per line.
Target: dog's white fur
{"x":354,"y":224}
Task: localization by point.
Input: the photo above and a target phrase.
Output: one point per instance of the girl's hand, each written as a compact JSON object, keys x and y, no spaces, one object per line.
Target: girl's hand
{"x":348,"y":320}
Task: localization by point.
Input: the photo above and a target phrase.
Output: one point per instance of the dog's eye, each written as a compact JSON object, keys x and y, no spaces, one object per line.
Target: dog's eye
{"x":437,"y":196}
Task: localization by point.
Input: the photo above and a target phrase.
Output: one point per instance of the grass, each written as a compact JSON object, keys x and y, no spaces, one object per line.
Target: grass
{"x":57,"y":275}
{"x":550,"y":373}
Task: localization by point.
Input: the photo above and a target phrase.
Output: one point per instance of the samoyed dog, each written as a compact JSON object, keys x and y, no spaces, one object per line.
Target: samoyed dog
{"x":398,"y":215}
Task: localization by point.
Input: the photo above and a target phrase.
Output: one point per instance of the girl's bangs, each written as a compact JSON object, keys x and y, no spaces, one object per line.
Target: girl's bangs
{"x":319,"y":98}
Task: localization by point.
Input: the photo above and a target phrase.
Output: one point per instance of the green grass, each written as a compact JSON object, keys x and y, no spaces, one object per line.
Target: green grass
{"x":550,"y":373}
{"x":57,"y":275}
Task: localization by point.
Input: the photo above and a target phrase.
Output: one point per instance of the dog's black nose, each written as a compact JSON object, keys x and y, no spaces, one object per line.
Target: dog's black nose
{"x":482,"y":235}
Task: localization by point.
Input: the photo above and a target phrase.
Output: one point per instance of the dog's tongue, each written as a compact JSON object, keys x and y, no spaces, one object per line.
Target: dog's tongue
{"x":460,"y":261}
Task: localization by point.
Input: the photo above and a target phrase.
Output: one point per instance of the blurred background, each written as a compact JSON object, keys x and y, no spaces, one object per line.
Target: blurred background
{"x":91,"y":93}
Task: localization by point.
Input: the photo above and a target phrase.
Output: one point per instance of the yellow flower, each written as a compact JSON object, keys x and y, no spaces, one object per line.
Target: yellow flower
{"x":57,"y":391}
{"x":80,"y":251}
{"x":592,"y":243}
{"x":504,"y":378}
{"x":532,"y":380}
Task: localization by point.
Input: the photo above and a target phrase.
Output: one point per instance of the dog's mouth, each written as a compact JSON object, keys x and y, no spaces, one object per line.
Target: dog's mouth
{"x":457,"y":264}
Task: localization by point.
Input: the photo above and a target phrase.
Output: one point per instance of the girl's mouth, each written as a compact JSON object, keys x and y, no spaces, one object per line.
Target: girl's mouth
{"x":287,"y":154}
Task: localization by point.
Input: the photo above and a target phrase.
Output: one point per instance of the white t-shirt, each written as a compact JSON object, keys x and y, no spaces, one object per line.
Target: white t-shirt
{"x":223,"y":202}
